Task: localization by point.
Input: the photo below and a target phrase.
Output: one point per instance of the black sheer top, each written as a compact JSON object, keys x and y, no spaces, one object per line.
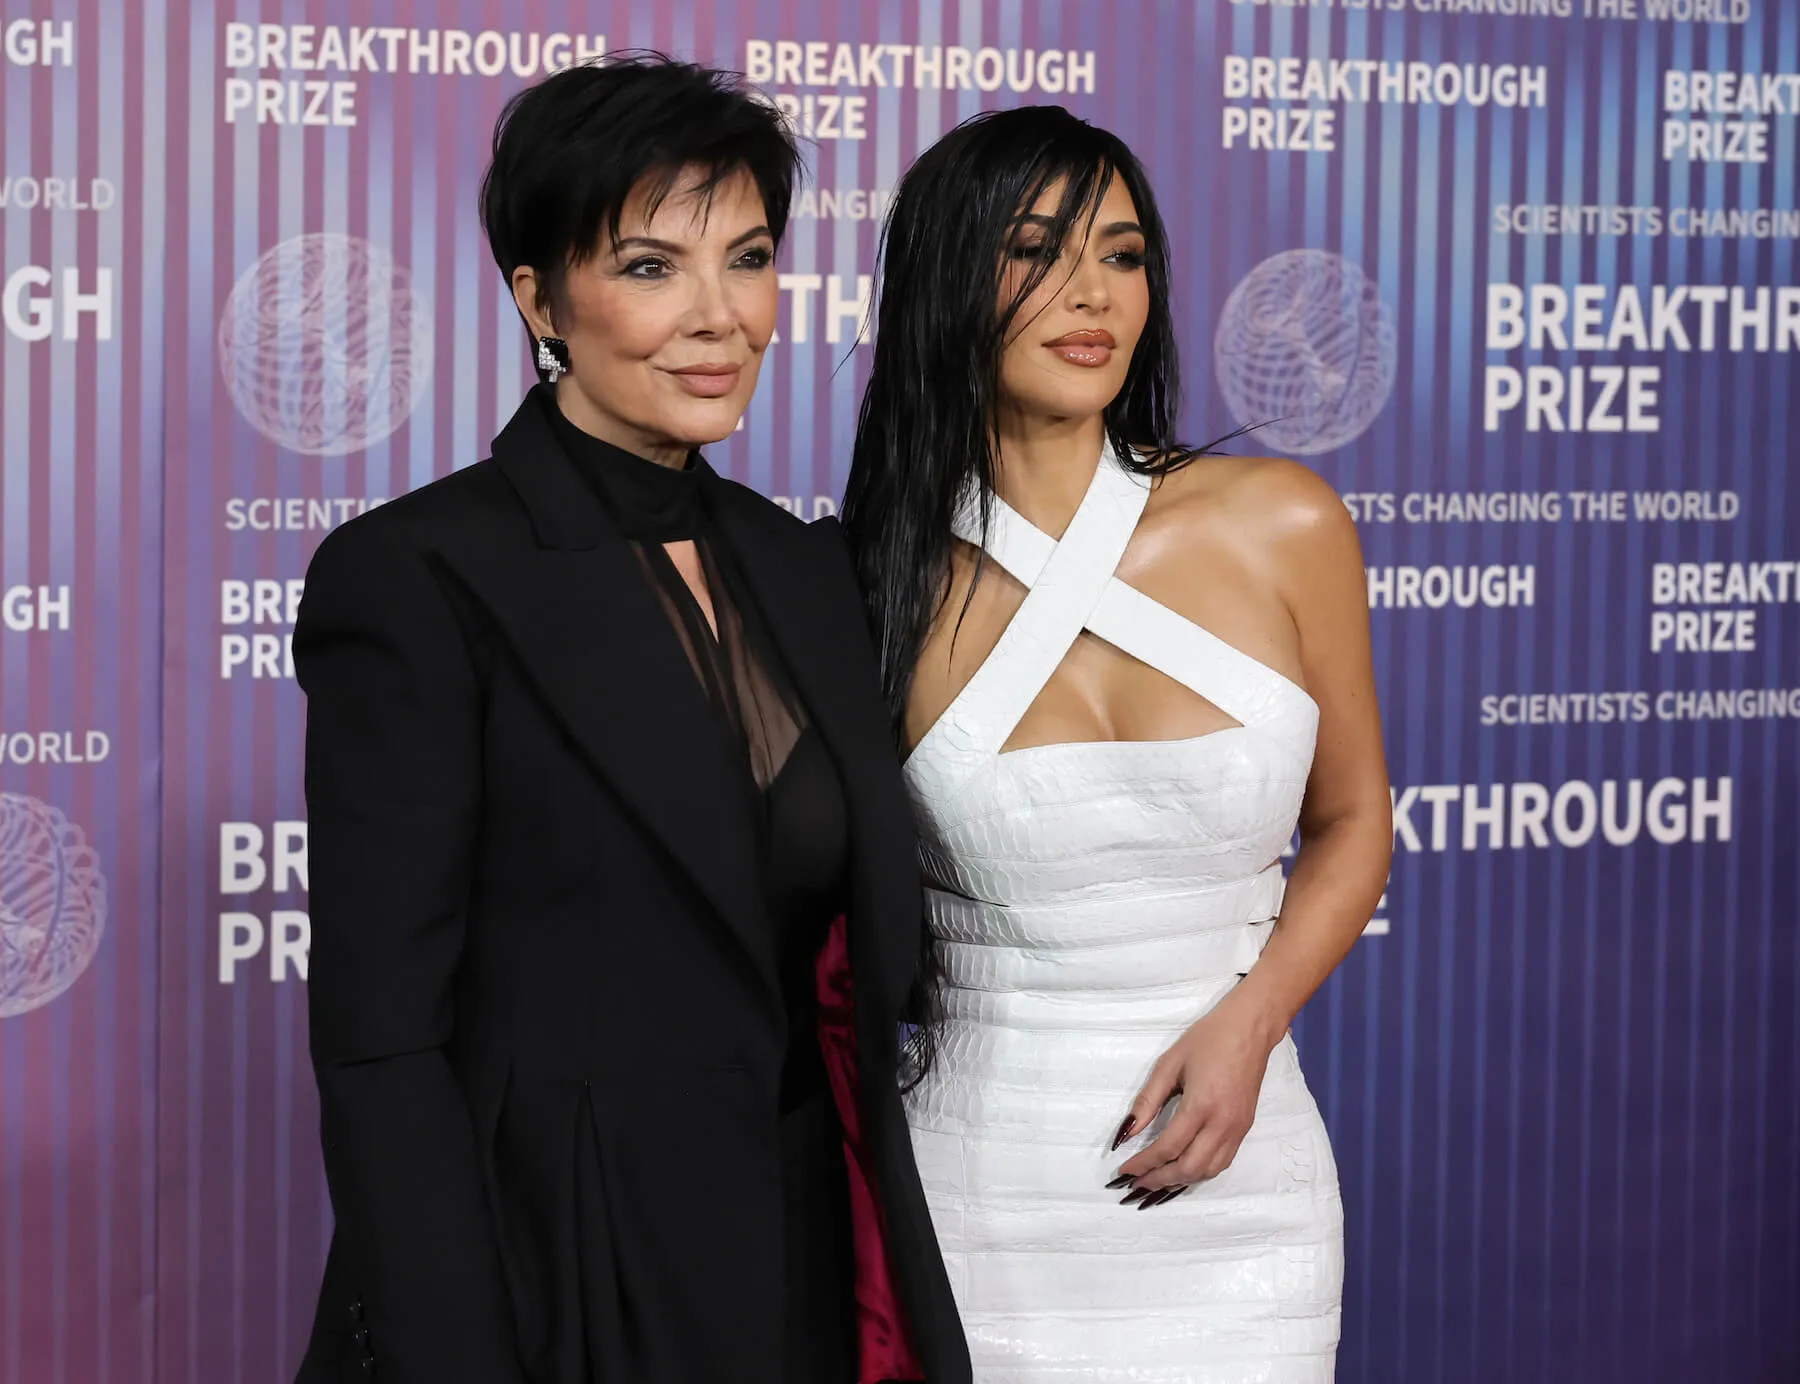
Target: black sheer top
{"x":797,"y":808}
{"x":796,"y":801}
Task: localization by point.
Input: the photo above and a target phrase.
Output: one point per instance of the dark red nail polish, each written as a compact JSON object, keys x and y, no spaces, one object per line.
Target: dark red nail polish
{"x":1156,"y":1198}
{"x":1130,"y":1197}
{"x":1122,"y":1180}
{"x":1129,"y":1124}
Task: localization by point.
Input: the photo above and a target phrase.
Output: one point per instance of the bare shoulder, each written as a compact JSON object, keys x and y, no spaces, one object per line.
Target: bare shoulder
{"x":1266,"y":499}
{"x":1267,"y":511}
{"x":1270,"y":532}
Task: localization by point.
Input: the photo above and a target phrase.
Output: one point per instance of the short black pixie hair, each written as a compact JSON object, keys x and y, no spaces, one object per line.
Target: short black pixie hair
{"x":569,"y":152}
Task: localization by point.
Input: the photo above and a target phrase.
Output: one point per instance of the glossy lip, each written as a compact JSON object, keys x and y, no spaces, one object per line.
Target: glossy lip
{"x":1090,"y":346}
{"x":708,"y":381}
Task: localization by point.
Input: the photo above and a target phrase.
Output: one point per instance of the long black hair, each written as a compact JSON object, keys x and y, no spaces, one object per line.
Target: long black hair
{"x":929,"y":421}
{"x":928,"y":427}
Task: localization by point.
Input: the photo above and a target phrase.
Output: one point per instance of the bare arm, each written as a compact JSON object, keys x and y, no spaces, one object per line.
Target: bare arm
{"x":1346,"y":820}
{"x":1346,"y":829}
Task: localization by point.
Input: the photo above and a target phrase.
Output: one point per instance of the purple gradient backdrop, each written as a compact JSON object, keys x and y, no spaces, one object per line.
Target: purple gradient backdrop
{"x":1562,"y":1085}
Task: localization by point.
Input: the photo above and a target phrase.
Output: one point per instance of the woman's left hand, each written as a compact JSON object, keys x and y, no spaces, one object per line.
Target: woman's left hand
{"x":1217,"y":1069}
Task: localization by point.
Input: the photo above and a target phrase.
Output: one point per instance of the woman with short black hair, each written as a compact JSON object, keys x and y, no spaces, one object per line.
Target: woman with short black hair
{"x":612,"y":881}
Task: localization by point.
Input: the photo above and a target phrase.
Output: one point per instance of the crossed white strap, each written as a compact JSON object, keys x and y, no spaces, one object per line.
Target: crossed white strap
{"x":1071,"y":585}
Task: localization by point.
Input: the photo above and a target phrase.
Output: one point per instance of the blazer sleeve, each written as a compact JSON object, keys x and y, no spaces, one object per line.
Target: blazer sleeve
{"x":836,"y":544}
{"x":393,"y":788}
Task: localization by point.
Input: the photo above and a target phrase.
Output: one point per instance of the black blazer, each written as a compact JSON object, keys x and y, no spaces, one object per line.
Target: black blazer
{"x":546,"y":1023}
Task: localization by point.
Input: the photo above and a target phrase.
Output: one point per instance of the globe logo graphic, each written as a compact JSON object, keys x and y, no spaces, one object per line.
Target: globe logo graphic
{"x":324,"y":346}
{"x":52,"y":904}
{"x":1305,"y":346}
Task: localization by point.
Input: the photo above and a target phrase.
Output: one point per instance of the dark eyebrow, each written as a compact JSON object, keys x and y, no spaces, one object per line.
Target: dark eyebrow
{"x":1113,"y":228}
{"x":754,"y":233}
{"x":644,"y":242}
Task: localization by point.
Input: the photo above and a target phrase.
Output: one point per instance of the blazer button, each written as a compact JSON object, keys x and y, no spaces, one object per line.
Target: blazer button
{"x":356,"y":1309}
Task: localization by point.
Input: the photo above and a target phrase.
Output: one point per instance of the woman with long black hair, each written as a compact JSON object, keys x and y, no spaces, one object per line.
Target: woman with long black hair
{"x":1125,"y":671}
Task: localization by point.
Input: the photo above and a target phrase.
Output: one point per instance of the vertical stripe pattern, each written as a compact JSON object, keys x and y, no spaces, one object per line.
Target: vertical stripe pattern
{"x":1563,"y":1085}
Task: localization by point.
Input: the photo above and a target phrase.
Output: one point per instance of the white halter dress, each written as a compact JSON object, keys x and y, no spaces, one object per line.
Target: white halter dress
{"x":1091,"y":901}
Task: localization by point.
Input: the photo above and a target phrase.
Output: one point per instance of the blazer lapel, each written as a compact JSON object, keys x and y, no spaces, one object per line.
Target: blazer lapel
{"x":807,"y":602}
{"x":587,"y":628}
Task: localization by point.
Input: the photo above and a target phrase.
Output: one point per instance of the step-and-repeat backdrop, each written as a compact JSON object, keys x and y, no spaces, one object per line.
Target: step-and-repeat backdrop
{"x":1516,"y":276}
